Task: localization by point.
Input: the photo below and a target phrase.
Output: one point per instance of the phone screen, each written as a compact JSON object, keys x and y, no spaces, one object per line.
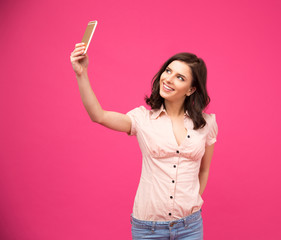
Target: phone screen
{"x":88,"y":34}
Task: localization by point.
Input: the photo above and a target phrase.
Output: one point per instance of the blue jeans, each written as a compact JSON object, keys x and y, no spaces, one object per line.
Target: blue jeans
{"x":188,"y":228}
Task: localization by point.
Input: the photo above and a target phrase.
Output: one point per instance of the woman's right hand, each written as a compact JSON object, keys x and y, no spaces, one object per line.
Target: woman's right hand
{"x":79,"y":62}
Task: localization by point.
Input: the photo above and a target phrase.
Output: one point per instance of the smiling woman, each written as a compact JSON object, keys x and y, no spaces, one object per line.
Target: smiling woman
{"x":188,"y":75}
{"x":176,"y":139}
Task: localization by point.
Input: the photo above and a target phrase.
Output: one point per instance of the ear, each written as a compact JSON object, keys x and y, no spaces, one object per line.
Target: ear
{"x":191,"y":91}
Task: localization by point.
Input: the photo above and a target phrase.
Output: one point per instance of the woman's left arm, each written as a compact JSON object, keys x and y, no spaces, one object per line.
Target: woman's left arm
{"x":205,"y":167}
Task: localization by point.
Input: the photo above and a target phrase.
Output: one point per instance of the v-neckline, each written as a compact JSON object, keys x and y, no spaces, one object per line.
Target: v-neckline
{"x":174,"y":136}
{"x":175,"y":139}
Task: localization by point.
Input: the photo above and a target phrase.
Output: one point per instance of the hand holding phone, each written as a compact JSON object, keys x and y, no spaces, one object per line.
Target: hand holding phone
{"x":89,"y":34}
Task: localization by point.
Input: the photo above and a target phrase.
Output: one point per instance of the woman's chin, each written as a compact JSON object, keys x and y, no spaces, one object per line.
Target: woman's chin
{"x":164,"y":95}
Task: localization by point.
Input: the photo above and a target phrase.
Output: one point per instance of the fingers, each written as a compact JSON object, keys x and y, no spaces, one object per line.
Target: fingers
{"x":79,"y":49}
{"x":73,"y":59}
{"x":77,"y":52}
{"x":76,"y":55}
{"x":79,"y":44}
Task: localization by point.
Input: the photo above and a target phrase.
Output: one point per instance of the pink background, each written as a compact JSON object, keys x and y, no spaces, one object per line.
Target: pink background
{"x":64,"y":177}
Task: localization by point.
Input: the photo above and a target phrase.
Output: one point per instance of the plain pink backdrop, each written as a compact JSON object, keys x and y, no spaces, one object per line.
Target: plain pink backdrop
{"x":64,"y":177}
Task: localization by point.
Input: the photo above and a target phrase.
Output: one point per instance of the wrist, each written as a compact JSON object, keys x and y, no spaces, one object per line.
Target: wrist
{"x":82,"y":74}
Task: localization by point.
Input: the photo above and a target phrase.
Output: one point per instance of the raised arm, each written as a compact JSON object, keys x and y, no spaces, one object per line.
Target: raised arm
{"x":113,"y":120}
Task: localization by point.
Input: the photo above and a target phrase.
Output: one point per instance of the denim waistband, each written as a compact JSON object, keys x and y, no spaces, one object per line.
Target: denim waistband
{"x":166,"y":224}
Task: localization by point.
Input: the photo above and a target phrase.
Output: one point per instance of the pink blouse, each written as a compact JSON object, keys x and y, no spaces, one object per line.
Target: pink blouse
{"x":169,"y":183}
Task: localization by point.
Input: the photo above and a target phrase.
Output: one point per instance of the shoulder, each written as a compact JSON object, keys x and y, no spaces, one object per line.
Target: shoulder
{"x":211,"y":128}
{"x":140,"y":111}
{"x":210,"y":118}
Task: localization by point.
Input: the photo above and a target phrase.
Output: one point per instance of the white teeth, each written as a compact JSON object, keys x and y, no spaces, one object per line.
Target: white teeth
{"x":168,"y":88}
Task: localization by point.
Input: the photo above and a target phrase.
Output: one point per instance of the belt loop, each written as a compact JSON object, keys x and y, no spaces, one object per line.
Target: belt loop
{"x":185,"y":223}
{"x":153,"y":226}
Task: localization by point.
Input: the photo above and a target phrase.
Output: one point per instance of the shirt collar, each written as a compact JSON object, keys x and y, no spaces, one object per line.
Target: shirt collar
{"x":156,"y":112}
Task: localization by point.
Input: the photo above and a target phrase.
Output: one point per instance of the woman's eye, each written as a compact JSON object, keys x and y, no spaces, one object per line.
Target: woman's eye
{"x":168,"y":71}
{"x":180,"y":78}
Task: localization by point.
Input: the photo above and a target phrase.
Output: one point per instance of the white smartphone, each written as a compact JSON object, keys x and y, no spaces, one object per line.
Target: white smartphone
{"x":89,"y":34}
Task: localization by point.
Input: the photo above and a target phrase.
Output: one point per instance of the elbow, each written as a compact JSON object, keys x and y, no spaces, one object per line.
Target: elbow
{"x":97,"y":118}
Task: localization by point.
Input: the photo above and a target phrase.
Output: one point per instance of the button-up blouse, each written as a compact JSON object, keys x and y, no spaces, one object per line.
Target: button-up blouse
{"x":169,"y":183}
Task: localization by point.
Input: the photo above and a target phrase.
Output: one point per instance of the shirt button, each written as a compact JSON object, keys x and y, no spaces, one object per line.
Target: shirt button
{"x":173,"y":181}
{"x":175,"y":166}
{"x":170,"y":214}
{"x":171,"y":197}
{"x":178,"y":151}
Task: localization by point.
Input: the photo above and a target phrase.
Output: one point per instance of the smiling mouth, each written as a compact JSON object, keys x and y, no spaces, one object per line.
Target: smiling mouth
{"x":167,"y":88}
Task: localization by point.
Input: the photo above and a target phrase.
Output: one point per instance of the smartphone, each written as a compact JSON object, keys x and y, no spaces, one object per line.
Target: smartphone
{"x":89,"y":34}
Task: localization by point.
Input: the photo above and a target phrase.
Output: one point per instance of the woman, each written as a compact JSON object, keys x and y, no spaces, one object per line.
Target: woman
{"x":177,"y":142}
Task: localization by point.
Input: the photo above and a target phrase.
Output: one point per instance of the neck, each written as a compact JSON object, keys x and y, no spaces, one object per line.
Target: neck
{"x":174,"y":109}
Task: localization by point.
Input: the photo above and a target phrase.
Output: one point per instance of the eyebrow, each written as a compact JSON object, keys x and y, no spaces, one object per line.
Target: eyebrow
{"x":177,"y":73}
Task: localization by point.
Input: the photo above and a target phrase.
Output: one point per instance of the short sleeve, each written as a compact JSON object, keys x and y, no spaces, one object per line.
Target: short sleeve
{"x":136,"y":115}
{"x":212,"y":130}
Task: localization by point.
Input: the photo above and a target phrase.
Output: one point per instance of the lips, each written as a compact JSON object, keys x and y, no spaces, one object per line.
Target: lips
{"x":167,"y":88}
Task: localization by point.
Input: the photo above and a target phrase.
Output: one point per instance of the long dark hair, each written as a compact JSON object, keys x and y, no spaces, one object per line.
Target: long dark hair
{"x":196,"y":102}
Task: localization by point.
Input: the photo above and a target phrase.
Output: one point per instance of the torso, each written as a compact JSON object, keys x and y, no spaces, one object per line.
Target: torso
{"x":168,"y":169}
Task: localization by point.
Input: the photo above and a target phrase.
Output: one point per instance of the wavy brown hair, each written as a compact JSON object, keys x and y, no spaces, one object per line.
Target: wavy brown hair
{"x":196,"y":102}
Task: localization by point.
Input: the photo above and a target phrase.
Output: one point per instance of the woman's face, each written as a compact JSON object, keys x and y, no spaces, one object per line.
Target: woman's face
{"x":175,"y":82}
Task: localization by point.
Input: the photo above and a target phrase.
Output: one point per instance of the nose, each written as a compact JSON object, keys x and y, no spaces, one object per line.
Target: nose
{"x":169,"y":79}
